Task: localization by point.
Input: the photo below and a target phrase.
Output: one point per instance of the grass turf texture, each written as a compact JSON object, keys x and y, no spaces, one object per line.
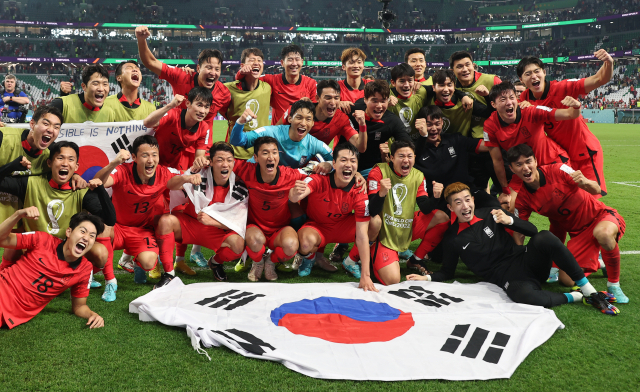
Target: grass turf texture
{"x":56,"y":351}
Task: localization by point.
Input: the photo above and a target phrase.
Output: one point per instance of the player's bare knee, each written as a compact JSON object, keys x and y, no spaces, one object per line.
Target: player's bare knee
{"x":374,"y":227}
{"x":147,"y":260}
{"x":98,"y":255}
{"x":440,"y":217}
{"x":235,"y":243}
{"x":290,"y":245}
{"x":165,"y":224}
{"x":256,"y":241}
{"x":606,"y":236}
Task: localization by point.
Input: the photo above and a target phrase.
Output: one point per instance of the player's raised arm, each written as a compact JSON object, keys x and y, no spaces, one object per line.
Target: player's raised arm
{"x":603,"y":76}
{"x":148,"y":59}
{"x":7,"y":238}
{"x":299,"y":191}
{"x":238,"y":136}
{"x":572,"y":112}
{"x":361,"y":138}
{"x":104,"y":173}
{"x":178,"y":181}
{"x":154,"y":118}
{"x":80,"y":309}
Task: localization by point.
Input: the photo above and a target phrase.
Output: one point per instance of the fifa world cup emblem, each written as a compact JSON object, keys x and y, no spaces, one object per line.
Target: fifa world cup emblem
{"x":55,"y":208}
{"x":406,"y":114}
{"x":399,"y":193}
{"x":255,"y":107}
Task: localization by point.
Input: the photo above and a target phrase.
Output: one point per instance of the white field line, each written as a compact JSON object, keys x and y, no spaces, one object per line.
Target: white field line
{"x":630,"y":252}
{"x":627,"y":184}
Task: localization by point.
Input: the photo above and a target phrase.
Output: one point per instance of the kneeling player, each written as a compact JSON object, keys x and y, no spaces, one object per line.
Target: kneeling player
{"x":568,"y":199}
{"x":479,"y":238}
{"x":332,"y":200}
{"x":200,"y":228}
{"x":48,"y":268}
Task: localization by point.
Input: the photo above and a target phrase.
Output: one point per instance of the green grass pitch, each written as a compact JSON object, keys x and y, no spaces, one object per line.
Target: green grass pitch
{"x":55,"y":351}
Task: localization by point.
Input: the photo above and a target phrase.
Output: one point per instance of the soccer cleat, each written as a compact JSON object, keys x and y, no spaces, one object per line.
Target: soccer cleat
{"x":324,"y":263}
{"x":218,"y":271}
{"x":305,"y":267}
{"x":600,"y":301}
{"x":406,"y":255}
{"x":418,"y":265}
{"x":554,"y":275}
{"x":109,"y":294}
{"x":139,"y":275}
{"x":337,"y":255}
{"x":199,"y":259}
{"x":155,"y":272}
{"x":353,"y":269}
{"x":297,"y":262}
{"x":269,"y":269}
{"x":181,"y":266}
{"x":284,"y":267}
{"x":164,"y":280}
{"x":256,"y":271}
{"x":95,"y":284}
{"x":616,"y":292}
{"x":126,"y":264}
{"x":241,"y":266}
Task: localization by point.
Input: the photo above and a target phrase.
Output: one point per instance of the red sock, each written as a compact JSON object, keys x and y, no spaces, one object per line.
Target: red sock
{"x":108,"y":266}
{"x":431,"y":239}
{"x":278,"y":255}
{"x":611,"y":259}
{"x":6,"y":264}
{"x":354,"y":254}
{"x":225,"y":254}
{"x":255,"y":256}
{"x":181,"y":249}
{"x":165,"y":245}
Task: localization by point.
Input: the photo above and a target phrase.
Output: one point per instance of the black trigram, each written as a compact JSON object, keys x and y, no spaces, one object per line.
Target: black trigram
{"x":122,"y":143}
{"x":240,"y":191}
{"x":426,"y":297}
{"x":249,"y":343}
{"x":473,"y":347}
{"x":232,"y":298}
{"x":202,"y":187}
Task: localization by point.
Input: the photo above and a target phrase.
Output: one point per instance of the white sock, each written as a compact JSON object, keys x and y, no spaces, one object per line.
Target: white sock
{"x":172,"y":273}
{"x":179,"y":258}
{"x":114,"y":281}
{"x":126,"y":257}
{"x":348,"y":261}
{"x":609,"y":284}
{"x":416,"y":257}
{"x":195,"y":249}
{"x":587,"y":289}
{"x":577,"y":296}
{"x":602,"y":266}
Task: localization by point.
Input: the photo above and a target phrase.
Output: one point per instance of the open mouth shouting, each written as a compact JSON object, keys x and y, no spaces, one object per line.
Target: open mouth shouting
{"x":79,"y":248}
{"x":209,"y":82}
{"x":528,"y":176}
{"x":99,"y":97}
{"x":347,"y":174}
{"x":467,"y":214}
{"x":45,"y":141}
{"x":224,"y":173}
{"x":535,"y":85}
{"x":405,"y":168}
{"x":433,"y":136}
{"x":331,"y":110}
{"x":405,"y":91}
{"x":446,"y":96}
{"x":255,"y":71}
{"x":510,"y":111}
{"x":271,"y":167}
{"x":135,"y":78}
{"x":301,"y":131}
{"x":378,"y":113}
{"x":63,"y":174}
{"x":149,"y":169}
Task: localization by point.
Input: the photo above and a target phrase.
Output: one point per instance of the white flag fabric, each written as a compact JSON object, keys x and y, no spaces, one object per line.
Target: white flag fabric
{"x":408,"y":331}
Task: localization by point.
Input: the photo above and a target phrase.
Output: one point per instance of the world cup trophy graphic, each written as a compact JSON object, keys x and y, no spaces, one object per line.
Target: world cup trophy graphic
{"x":406,"y":114}
{"x":399,"y":193}
{"x":255,"y":107}
{"x":55,"y":208}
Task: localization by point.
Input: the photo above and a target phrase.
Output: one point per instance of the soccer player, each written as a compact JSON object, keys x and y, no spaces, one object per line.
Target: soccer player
{"x":249,"y":93}
{"x":138,"y":189}
{"x":191,"y":227}
{"x":88,"y":105}
{"x":352,"y":87}
{"x":339,"y":214}
{"x":127,"y":104}
{"x":269,"y":216}
{"x":574,"y":136}
{"x":416,"y":58}
{"x":49,"y":267}
{"x":403,"y":101}
{"x":567,"y":197}
{"x":289,"y":87}
{"x":479,"y":238}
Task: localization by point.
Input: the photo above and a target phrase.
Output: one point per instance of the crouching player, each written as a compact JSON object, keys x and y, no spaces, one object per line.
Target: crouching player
{"x":200,"y":228}
{"x":568,"y":199}
{"x":332,"y":200}
{"x":479,"y":238}
{"x":49,"y":266}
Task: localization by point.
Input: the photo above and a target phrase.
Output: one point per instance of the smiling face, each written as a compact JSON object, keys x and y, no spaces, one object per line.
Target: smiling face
{"x":63,"y":165}
{"x":301,"y":123}
{"x":222,"y":165}
{"x":533,"y":78}
{"x":463,"y":205}
{"x":44,"y":132}
{"x":434,"y":130}
{"x":345,"y":166}
{"x":418,"y":63}
{"x":130,"y":76}
{"x":464,"y":71}
{"x":506,"y":105}
{"x":209,"y":72}
{"x":292,"y":64}
{"x":403,"y":161}
{"x":404,"y":86}
{"x":376,"y":106}
{"x":257,"y":65}
{"x":80,"y":240}
{"x":328,"y":102}
{"x":96,"y":90}
{"x":526,"y":168}
{"x":267,"y":157}
{"x":354,"y":66}
{"x":444,"y":91}
{"x":146,"y":159}
{"x":197,"y":110}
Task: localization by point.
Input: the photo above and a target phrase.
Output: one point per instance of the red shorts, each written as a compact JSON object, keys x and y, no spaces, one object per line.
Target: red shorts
{"x":381,"y":256}
{"x":585,"y":247}
{"x":420,"y":224}
{"x":343,"y":232}
{"x":592,"y":168}
{"x":270,"y":236}
{"x":194,"y":232}
{"x":134,"y":240}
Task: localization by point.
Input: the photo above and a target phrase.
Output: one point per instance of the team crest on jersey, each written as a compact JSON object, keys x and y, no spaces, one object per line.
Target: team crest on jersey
{"x":280,"y":194}
{"x":323,"y":134}
{"x":525,"y":132}
{"x":488,"y":232}
{"x":345,"y":208}
{"x":378,"y":135}
{"x":385,"y":256}
{"x":558,"y":193}
{"x":452,"y":151}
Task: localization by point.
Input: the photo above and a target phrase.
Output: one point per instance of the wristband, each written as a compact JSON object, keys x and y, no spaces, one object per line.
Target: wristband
{"x":10,"y":98}
{"x":362,"y":128}
{"x":428,"y":278}
{"x":505,"y":190}
{"x":511,"y":221}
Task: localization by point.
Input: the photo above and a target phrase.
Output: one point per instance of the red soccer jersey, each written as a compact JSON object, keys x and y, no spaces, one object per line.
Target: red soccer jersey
{"x":268,"y":203}
{"x":329,"y":205}
{"x":572,"y":135}
{"x":137,"y":203}
{"x":348,"y":93}
{"x":39,"y":276}
{"x":528,"y":129}
{"x":375,"y":175}
{"x":174,"y":138}
{"x":559,"y":199}
{"x":339,"y":125}
{"x":219,"y":194}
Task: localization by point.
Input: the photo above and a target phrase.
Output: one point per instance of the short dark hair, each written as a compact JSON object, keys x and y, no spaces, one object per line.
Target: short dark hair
{"x":398,"y":144}
{"x":144,"y":139}
{"x":262,"y":140}
{"x":515,"y":152}
{"x":200,"y":93}
{"x":327,"y":83}
{"x":46,"y":109}
{"x":302,"y":104}
{"x":121,"y":65}
{"x":441,"y":75}
{"x":56,"y":147}
{"x":518,"y":83}
{"x":377,"y":86}
{"x":345,"y":146}
{"x":401,"y":70}
{"x":80,"y":217}
{"x":89,"y":70}
{"x":220,"y":146}
{"x":414,"y":51}
{"x":459,"y":55}
{"x":499,"y":89}
{"x":250,"y":51}
{"x":291,"y":49}
{"x":528,"y":61}
{"x":432,"y":111}
{"x":206,"y":54}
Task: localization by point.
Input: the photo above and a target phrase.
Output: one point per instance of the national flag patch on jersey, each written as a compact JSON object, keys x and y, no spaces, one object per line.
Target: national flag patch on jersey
{"x":373,"y":185}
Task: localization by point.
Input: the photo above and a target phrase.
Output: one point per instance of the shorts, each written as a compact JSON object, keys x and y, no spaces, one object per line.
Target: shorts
{"x":134,"y":240}
{"x":592,"y":168}
{"x":420,"y":224}
{"x":343,"y":232}
{"x":270,"y":235}
{"x":381,"y":256}
{"x":585,"y":247}
{"x":194,"y":232}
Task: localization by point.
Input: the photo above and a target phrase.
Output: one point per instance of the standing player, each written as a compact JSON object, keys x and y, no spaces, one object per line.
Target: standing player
{"x":288,"y":87}
{"x":352,"y":87}
{"x":479,"y":238}
{"x":416,"y":58}
{"x":49,"y":267}
{"x":127,"y":104}
{"x":574,"y":136}
{"x":566,"y":197}
{"x":249,"y":93}
{"x":404,"y":102}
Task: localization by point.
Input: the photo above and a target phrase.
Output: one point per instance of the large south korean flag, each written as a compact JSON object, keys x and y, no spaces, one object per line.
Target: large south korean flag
{"x":408,"y":331}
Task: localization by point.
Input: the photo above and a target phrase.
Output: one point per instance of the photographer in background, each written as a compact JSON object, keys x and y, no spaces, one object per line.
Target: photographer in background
{"x":15,"y":101}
